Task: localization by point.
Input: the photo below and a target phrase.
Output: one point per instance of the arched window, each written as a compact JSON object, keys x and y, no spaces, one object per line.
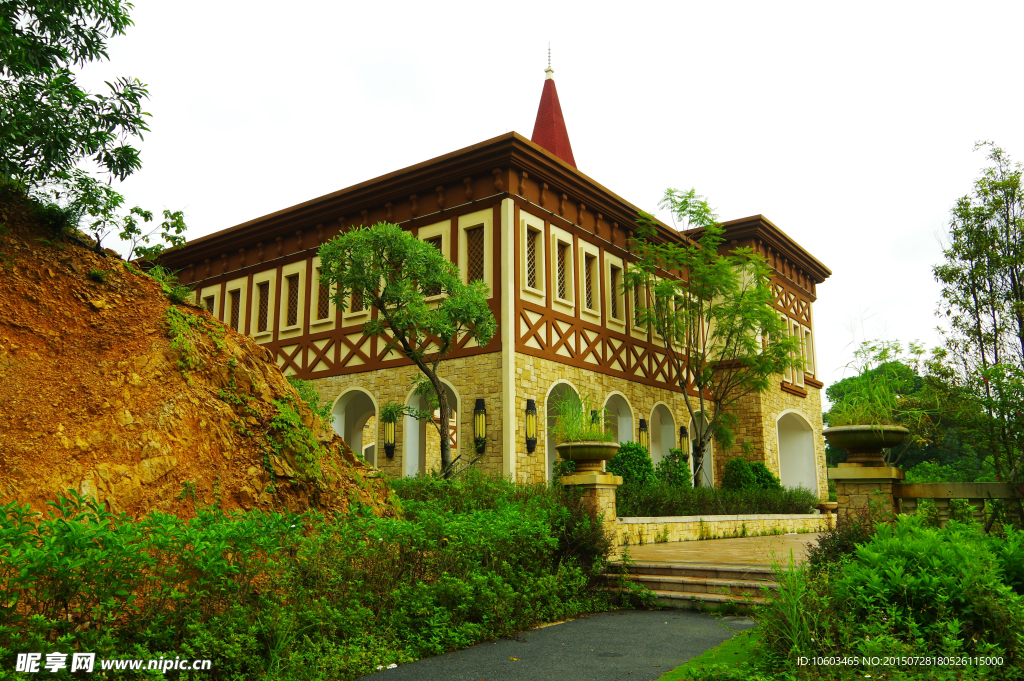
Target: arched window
{"x":422,"y":443}
{"x":559,"y":391}
{"x":663,"y":432}
{"x":355,"y":420}
{"x":797,"y":467}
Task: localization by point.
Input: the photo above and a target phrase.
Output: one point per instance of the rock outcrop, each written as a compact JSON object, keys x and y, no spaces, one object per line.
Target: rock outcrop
{"x":108,"y":389}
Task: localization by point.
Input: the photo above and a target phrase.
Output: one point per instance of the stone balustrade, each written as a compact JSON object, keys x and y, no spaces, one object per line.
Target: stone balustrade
{"x":976,"y":494}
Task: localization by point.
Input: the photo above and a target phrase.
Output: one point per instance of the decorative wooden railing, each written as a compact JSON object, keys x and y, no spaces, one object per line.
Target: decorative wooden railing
{"x":976,"y":494}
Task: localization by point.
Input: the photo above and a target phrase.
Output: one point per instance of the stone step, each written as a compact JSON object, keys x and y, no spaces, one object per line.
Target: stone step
{"x":746,"y":573}
{"x":698,"y":601}
{"x":700,"y":585}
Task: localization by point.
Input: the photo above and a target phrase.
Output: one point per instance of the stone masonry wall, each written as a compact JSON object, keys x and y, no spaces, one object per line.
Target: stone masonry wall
{"x":478,"y":376}
{"x":533,"y":378}
{"x":634,"y":531}
{"x":758,"y":416}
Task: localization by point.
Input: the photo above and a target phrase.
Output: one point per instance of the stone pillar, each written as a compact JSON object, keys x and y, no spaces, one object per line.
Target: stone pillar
{"x":598,"y":492}
{"x":857,"y":484}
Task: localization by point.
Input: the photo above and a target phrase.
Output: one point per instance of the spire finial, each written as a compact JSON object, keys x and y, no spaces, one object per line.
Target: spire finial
{"x":549,"y":71}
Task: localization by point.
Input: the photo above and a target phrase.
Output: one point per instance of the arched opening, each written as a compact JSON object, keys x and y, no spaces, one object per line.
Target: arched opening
{"x":706,"y":476}
{"x":355,"y":420}
{"x":621,"y":417}
{"x":663,"y":432}
{"x":796,"y":452}
{"x":559,"y":391}
{"x":422,"y":446}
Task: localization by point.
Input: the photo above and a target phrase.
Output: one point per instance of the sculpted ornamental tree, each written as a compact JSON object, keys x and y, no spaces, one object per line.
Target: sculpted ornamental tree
{"x":724,"y":337}
{"x":422,"y":306}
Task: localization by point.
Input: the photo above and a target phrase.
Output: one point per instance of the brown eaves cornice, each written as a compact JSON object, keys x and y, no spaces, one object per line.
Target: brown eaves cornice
{"x":760,"y":228}
{"x":510,"y":150}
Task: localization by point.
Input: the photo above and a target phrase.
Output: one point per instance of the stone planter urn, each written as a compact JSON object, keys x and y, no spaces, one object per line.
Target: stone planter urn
{"x":598,"y":486}
{"x":865,"y":478}
{"x":589,"y":455}
{"x":864,"y":444}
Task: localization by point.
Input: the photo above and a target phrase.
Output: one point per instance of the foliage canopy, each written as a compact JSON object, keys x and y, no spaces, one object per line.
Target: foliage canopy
{"x":424,"y":309}
{"x":715,"y":312}
{"x":50,"y":126}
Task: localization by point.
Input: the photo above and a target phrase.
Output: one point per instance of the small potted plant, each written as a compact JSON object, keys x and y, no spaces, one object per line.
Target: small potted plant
{"x":581,"y":429}
{"x":873,"y":414}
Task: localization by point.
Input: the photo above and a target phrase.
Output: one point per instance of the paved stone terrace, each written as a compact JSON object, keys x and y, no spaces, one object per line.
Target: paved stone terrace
{"x":736,"y":551}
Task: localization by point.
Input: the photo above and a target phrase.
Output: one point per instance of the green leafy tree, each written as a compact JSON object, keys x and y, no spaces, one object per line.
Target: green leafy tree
{"x":50,"y":126}
{"x":715,"y":312}
{"x":983,"y":303}
{"x":49,"y":123}
{"x":392,"y":271}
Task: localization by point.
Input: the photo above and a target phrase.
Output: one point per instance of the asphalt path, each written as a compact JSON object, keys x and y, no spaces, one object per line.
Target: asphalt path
{"x":624,"y":645}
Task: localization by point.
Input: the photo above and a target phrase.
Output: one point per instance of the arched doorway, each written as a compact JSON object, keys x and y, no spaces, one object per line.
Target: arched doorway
{"x":355,"y":420}
{"x":796,"y":452}
{"x":706,"y":476}
{"x":422,"y":446}
{"x":663,"y":432}
{"x":621,"y":416}
{"x":559,"y":391}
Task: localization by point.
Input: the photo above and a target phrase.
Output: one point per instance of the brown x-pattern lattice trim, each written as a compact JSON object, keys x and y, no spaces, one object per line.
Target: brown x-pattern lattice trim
{"x":534,"y":330}
{"x":321,"y":355}
{"x":289,"y":359}
{"x":564,"y":336}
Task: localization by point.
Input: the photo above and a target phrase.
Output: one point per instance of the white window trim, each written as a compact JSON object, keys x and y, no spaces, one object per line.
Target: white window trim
{"x":441,"y":229}
{"x":240,"y":285}
{"x":484,"y":218}
{"x":211,"y":291}
{"x":528,"y":223}
{"x":566,"y":305}
{"x":809,"y":351}
{"x":269,"y":276}
{"x":290,"y":331}
{"x":638,"y":332}
{"x":589,"y":249}
{"x":328,"y":322}
{"x":614,"y":323}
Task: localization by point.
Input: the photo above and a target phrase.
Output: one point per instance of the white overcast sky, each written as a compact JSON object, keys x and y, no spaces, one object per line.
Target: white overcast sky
{"x":851,"y":126}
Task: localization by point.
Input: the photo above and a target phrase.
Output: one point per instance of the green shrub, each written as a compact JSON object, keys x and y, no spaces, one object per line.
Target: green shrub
{"x":98,"y":275}
{"x":906,"y":589}
{"x":738,"y":474}
{"x":674,"y":469}
{"x":633,"y":463}
{"x":581,"y":537}
{"x":764,"y":478}
{"x":662,"y":499}
{"x":837,"y":545}
{"x":742,"y":474}
{"x":309,"y":394}
{"x":299,"y":597}
{"x":168,"y":281}
{"x":58,"y":220}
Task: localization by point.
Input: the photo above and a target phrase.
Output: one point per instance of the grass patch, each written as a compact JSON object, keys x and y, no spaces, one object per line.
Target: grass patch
{"x":738,"y":655}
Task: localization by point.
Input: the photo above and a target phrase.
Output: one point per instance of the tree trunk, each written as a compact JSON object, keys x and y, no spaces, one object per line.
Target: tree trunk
{"x":446,"y":417}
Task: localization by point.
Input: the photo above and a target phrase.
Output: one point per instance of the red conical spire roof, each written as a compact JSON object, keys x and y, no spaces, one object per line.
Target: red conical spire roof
{"x":549,"y":130}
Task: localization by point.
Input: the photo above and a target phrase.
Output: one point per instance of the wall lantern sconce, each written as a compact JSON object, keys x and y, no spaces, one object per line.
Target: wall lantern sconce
{"x":683,"y":437}
{"x":645,"y":436}
{"x":389,"y":439}
{"x":531,"y":426}
{"x":479,"y":426}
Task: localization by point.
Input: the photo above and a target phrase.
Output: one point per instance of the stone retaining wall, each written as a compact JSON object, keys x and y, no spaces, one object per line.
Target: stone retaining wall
{"x":634,"y":531}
